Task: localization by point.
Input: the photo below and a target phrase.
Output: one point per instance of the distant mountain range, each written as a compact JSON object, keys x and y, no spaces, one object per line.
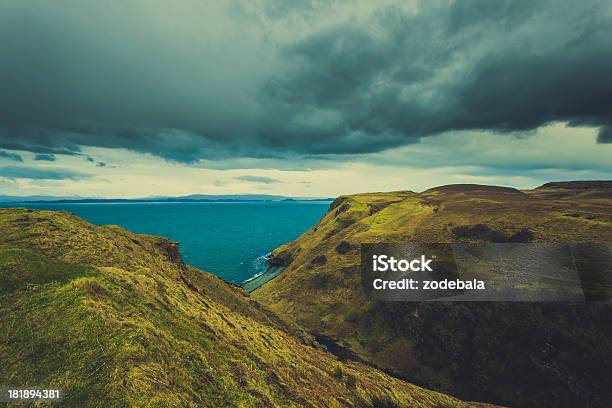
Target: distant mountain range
{"x":187,"y":198}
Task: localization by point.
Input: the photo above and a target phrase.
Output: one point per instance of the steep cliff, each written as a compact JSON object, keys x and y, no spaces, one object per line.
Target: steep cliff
{"x":511,"y":353}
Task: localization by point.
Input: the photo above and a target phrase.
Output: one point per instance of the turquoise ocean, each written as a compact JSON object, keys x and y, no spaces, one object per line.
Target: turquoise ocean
{"x":228,"y":239}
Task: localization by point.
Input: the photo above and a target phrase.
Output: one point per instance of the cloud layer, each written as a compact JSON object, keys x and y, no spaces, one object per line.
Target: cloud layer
{"x":37,"y":173}
{"x":551,"y":153}
{"x":189,"y":81}
{"x":257,"y":179}
{"x":10,"y":156}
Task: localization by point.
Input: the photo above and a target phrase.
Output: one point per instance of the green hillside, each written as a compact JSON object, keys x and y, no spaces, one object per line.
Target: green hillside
{"x":116,"y":319}
{"x":553,"y":355}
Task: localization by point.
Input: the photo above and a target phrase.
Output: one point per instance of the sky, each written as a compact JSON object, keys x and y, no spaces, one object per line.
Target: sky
{"x":317,"y":98}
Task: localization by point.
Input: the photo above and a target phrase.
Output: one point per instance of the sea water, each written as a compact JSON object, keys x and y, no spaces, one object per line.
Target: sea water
{"x":228,"y":239}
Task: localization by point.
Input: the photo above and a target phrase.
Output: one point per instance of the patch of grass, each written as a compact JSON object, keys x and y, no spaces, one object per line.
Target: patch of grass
{"x":22,"y":267}
{"x":485,"y":233}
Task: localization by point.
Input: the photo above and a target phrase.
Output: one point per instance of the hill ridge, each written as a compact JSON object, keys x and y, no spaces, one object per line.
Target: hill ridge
{"x":117,"y":319}
{"x":320,"y":288}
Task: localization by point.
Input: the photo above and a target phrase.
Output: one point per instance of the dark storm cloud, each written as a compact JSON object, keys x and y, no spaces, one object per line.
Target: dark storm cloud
{"x":257,"y":179}
{"x":44,"y":157}
{"x":36,"y":173}
{"x":502,"y":66}
{"x":605,"y":135}
{"x":186,"y":81}
{"x":10,"y":156}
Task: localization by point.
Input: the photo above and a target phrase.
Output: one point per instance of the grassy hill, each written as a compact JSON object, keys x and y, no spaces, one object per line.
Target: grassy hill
{"x":518,"y":354}
{"x":116,"y":319}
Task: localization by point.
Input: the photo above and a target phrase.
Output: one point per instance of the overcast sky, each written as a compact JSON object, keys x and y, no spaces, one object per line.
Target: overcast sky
{"x":319,"y":98}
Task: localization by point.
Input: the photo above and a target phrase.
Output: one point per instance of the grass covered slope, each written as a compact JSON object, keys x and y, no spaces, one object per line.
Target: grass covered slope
{"x":516,"y":354}
{"x":116,"y":319}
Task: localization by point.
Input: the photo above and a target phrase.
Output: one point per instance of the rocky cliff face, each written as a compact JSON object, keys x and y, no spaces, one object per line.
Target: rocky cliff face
{"x":115,"y":319}
{"x":516,"y":354}
{"x":171,"y":249}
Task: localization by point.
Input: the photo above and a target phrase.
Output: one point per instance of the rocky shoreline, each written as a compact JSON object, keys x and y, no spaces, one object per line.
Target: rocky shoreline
{"x":255,"y":282}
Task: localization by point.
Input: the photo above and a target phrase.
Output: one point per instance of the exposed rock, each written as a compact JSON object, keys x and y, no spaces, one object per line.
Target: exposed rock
{"x":341,"y":205}
{"x":319,"y":260}
{"x":379,"y":206}
{"x":171,"y":249}
{"x":280,"y":259}
{"x":344,"y":247}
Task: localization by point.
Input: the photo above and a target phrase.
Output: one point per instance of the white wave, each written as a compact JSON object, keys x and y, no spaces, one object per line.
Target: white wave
{"x":260,"y":266}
